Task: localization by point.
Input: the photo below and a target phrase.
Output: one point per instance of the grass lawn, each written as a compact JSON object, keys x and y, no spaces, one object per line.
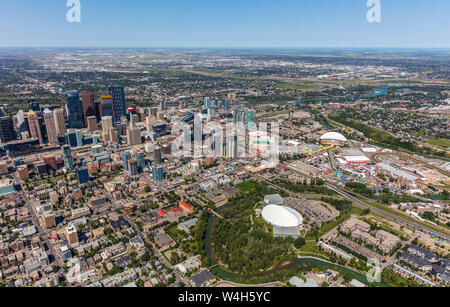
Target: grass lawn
{"x":176,"y":234}
{"x":53,"y":180}
{"x":440,"y":142}
{"x":246,"y":186}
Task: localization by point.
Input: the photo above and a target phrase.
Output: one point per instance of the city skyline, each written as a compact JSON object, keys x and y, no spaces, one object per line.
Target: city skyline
{"x":192,"y":144}
{"x":265,"y":24}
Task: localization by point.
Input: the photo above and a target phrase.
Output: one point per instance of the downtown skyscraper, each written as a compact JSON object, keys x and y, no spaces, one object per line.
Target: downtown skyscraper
{"x":119,"y":105}
{"x":60,"y":121}
{"x":87,"y":99}
{"x":35,"y":127}
{"x":7,"y":132}
{"x":68,"y":160}
{"x":75,"y":110}
{"x":52,"y":134}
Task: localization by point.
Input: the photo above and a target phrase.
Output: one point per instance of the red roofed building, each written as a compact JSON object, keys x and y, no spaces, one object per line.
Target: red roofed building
{"x":186,"y":206}
{"x":162,"y":212}
{"x":129,"y":208}
{"x":176,"y":210}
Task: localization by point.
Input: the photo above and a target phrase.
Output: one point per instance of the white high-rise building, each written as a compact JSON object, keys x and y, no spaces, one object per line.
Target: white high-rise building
{"x":60,"y":122}
{"x":50,"y":125}
{"x":107,"y":124}
{"x":134,"y":136}
{"x":150,"y":121}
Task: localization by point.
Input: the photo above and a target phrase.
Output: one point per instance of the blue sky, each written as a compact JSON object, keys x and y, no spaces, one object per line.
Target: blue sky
{"x":220,"y":23}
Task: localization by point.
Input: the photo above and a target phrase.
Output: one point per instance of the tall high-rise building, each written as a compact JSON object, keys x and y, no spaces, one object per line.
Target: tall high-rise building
{"x":119,"y":103}
{"x":71,"y":138}
{"x":75,"y":110}
{"x":35,"y":127}
{"x":158,"y":174}
{"x":49,"y":219}
{"x":126,"y":157}
{"x":91,"y":122}
{"x":162,"y":105}
{"x":87,"y":99}
{"x":231,"y":147}
{"x":226,"y":104}
{"x":157,"y":159}
{"x":207,"y":103}
{"x":79,"y":138}
{"x":250,"y":115}
{"x":150,"y":121}
{"x":60,"y":121}
{"x":114,"y":133}
{"x":67,"y":155}
{"x":239,"y":116}
{"x":34,"y":105}
{"x":49,"y":120}
{"x":107,"y":124}
{"x":140,"y":159}
{"x":134,"y":136}
{"x":132,"y":167}
{"x":22,"y":125}
{"x":72,"y":235}
{"x":134,"y":119}
{"x":107,"y":107}
{"x":83,"y":176}
{"x":7,"y":132}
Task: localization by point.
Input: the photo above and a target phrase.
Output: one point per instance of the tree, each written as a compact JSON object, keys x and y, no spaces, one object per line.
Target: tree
{"x":140,"y":283}
{"x":429,"y":215}
{"x":299,"y":242}
{"x":365,"y":212}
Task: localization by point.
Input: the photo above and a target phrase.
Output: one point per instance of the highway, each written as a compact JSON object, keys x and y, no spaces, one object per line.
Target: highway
{"x":360,"y":204}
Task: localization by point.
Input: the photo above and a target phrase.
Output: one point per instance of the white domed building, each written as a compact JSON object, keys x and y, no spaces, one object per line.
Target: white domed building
{"x":285,"y":221}
{"x":333,"y":138}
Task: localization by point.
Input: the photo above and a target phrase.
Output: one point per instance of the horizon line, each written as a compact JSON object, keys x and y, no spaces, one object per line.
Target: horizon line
{"x":229,"y":47}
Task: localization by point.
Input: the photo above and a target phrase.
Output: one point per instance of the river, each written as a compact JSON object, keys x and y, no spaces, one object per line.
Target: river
{"x":379,"y":91}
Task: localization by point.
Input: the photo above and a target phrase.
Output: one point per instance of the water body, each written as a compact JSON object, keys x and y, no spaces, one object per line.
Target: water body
{"x":379,"y":91}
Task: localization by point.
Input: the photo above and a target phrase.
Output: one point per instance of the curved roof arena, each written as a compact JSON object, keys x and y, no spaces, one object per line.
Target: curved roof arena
{"x":334,"y":136}
{"x":280,"y":216}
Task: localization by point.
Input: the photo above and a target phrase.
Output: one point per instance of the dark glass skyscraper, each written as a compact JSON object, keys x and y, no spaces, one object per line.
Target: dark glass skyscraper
{"x":75,"y":110}
{"x":34,"y":105}
{"x":120,"y":107}
{"x":7,"y":132}
{"x":67,"y":155}
{"x":106,"y":107}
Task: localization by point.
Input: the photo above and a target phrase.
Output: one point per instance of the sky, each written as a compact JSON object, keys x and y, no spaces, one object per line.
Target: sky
{"x":225,"y":23}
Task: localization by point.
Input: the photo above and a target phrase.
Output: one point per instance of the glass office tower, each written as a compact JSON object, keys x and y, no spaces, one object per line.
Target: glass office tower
{"x":75,"y":110}
{"x":119,"y":104}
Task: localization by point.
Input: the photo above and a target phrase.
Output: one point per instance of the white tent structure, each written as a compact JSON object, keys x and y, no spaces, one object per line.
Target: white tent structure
{"x":333,"y":136}
{"x":280,"y":216}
